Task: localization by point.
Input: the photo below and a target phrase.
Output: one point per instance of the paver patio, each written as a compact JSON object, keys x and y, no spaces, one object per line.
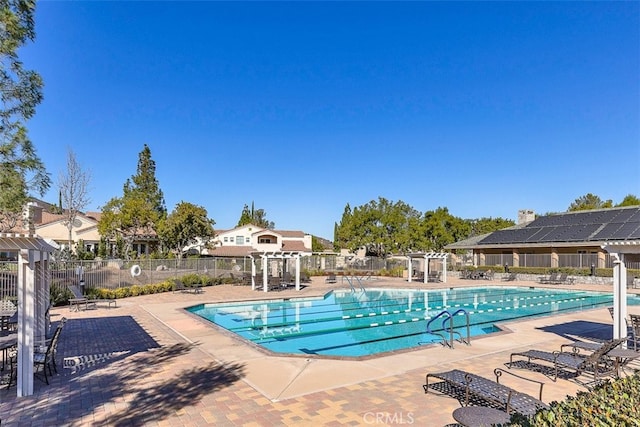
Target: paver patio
{"x":148,"y":362}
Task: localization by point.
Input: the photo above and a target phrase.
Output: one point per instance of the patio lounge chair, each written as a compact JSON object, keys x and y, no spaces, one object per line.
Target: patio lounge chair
{"x":331,"y":279}
{"x":488,"y":275}
{"x":178,"y":285}
{"x":44,"y":357}
{"x":621,"y":356}
{"x":304,"y":278}
{"x":274,"y":283}
{"x":549,"y":279}
{"x":475,"y":387}
{"x":597,"y":363}
{"x":562,"y":280}
{"x":510,"y":277}
{"x":433,"y":276}
{"x":79,"y":300}
{"x":287,"y":280}
{"x":634,"y":330}
{"x":246,"y":279}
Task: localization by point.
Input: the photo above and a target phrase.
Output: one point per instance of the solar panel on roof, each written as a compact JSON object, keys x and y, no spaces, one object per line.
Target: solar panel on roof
{"x":582,"y":233}
{"x":524,"y":234}
{"x":543,"y":221}
{"x":606,"y":216}
{"x":635,"y":234}
{"x":624,"y":215}
{"x":559,"y":220}
{"x":635,"y":217}
{"x":616,"y":213}
{"x":536,"y":222}
{"x":606,"y":224}
{"x":543,"y":232}
{"x":491,"y":238}
{"x":557,"y":235}
{"x":624,"y":231}
{"x":518,"y":235}
{"x":607,"y":231}
{"x":538,"y":231}
{"x":506,"y":236}
{"x":581,"y":218}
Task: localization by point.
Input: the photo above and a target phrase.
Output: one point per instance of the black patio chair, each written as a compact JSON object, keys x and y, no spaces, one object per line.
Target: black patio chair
{"x":44,"y":358}
{"x":598,"y":363}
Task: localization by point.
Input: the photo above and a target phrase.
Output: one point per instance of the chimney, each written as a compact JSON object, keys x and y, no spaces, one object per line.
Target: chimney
{"x":525,"y":216}
{"x":33,"y":216}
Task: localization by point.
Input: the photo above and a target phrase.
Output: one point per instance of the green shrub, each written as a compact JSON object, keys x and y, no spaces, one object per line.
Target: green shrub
{"x":165,"y":286}
{"x":600,"y":272}
{"x":132,"y":291}
{"x":190,"y":279}
{"x":392,"y":272}
{"x":201,"y":279}
{"x":613,"y":403}
{"x":59,"y":295}
{"x":100,"y":293}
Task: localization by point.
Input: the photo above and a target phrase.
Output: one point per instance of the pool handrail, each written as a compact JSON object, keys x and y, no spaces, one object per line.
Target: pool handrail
{"x":448,"y":317}
{"x":466,"y":341}
{"x":441,"y":335}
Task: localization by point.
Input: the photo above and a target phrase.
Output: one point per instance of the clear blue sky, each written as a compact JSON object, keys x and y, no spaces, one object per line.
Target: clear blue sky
{"x":484,"y":108}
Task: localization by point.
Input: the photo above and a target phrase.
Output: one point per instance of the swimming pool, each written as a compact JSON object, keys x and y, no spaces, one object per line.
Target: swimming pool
{"x":354,"y":324}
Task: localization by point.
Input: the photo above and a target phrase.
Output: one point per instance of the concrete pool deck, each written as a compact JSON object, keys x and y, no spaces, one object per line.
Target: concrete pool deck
{"x":149,"y":362}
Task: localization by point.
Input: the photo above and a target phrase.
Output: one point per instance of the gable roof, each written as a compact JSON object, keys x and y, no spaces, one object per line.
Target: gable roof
{"x":466,"y":243}
{"x":593,"y":227}
{"x":294,"y":246}
{"x":231,"y":251}
{"x":290,"y":233}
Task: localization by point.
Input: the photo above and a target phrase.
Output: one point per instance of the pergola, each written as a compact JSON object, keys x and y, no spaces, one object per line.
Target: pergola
{"x":273,"y":255}
{"x":33,"y":282}
{"x":618,"y":250}
{"x":427,"y":256}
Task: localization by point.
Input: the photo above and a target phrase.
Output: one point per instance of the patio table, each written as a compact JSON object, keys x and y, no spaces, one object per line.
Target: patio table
{"x":480,"y":416}
{"x":622,"y":356}
{"x":7,"y":318}
{"x":6,"y":342}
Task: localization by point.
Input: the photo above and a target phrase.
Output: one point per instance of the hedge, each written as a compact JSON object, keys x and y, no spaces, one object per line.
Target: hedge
{"x":612,"y":403}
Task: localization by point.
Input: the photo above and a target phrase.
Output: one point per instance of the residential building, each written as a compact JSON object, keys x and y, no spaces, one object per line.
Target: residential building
{"x":242,"y":241}
{"x":571,"y":239}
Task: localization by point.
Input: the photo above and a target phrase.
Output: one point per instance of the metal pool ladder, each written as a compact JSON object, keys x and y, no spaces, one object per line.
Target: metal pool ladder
{"x":351,"y":279}
{"x":448,"y":317}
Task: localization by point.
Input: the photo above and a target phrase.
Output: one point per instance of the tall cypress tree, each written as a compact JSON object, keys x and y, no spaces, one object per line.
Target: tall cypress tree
{"x":145,"y":184}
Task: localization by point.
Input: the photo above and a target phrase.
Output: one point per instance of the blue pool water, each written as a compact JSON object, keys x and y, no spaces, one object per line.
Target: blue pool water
{"x":346,"y":323}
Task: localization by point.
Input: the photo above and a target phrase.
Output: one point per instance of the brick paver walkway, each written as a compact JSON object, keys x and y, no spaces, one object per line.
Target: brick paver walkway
{"x":131,"y":366}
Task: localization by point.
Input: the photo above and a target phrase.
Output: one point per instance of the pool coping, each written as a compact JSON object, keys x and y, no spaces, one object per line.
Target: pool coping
{"x":267,"y":352}
{"x":280,"y":377}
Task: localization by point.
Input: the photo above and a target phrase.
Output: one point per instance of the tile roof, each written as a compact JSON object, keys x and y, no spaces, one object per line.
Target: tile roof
{"x":294,"y":245}
{"x":50,"y":218}
{"x":290,"y":233}
{"x":231,"y":251}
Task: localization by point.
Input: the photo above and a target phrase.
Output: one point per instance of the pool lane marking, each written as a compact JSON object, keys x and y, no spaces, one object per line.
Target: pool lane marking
{"x":416,"y":319}
{"x":489,"y":310}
